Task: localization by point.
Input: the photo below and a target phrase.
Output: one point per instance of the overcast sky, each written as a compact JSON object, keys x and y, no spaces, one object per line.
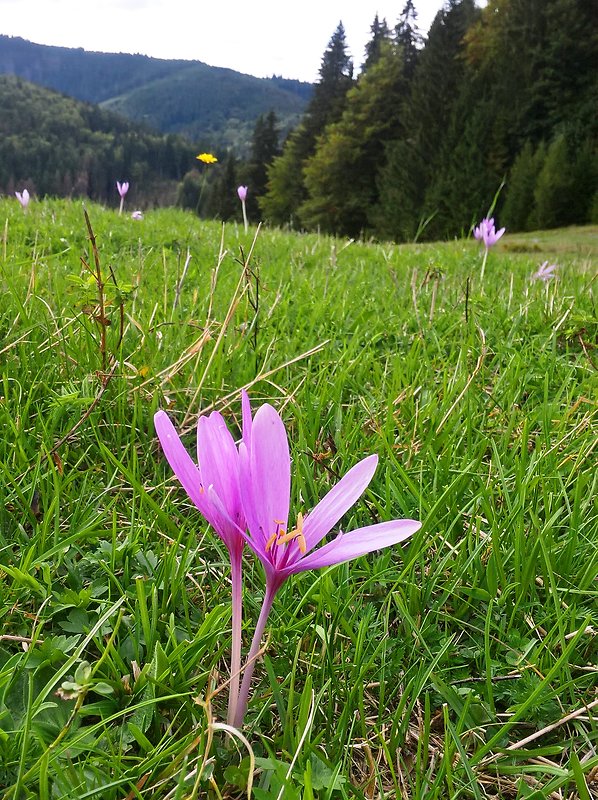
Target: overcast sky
{"x":258,"y":37}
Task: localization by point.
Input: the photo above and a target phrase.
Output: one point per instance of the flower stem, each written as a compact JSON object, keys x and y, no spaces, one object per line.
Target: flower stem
{"x":245,"y":223}
{"x":122,"y":203}
{"x":252,"y":657}
{"x":236,"y":562}
{"x":484,"y":264}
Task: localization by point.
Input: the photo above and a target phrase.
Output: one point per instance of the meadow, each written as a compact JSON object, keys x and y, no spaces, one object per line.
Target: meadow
{"x":461,"y":664}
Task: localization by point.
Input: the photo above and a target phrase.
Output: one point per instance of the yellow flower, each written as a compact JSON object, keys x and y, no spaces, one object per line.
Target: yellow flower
{"x":207,"y":158}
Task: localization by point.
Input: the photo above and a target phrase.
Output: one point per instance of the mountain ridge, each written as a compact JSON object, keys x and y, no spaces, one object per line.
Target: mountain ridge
{"x":213,"y":105}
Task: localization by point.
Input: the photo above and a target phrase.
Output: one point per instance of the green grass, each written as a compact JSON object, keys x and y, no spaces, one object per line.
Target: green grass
{"x":458,"y":666}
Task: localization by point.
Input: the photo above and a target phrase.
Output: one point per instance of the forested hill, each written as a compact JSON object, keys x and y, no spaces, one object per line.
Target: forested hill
{"x":209,"y":104}
{"x":54,"y":145}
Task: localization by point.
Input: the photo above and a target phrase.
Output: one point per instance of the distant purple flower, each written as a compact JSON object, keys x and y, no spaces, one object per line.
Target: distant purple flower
{"x":545,"y":272}
{"x":487,"y":233}
{"x":123,"y":188}
{"x":242,"y":192}
{"x":23,"y":198}
{"x":137,"y":215}
{"x":265,"y":480}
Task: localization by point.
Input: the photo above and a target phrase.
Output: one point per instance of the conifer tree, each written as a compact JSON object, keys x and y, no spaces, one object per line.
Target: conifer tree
{"x":340,"y":177}
{"x":555,"y":192}
{"x":336,"y":78}
{"x":285,"y":187}
{"x":414,"y":159}
{"x":518,"y":211}
{"x":379,"y":34}
{"x":223,"y":199}
{"x":408,"y":39}
{"x":189,"y":191}
{"x":466,"y":179}
{"x":264,"y":149}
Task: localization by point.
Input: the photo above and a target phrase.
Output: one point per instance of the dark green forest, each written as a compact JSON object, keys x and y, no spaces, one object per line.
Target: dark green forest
{"x":54,"y":145}
{"x":494,"y":111}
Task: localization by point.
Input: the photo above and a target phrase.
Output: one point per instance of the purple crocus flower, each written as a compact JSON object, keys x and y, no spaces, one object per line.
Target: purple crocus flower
{"x":123,"y":188}
{"x":545,"y":272}
{"x":478,"y":231}
{"x":213,"y":486}
{"x":23,"y":198}
{"x":487,"y":233}
{"x":137,"y":214}
{"x":242,"y":192}
{"x":265,"y":470}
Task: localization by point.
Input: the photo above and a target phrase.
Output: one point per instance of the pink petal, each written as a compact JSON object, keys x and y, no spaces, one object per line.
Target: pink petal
{"x":255,"y":543}
{"x":338,"y":500}
{"x":179,"y":459}
{"x":247,"y":497}
{"x":182,"y":464}
{"x":356,"y":543}
{"x":247,"y":421}
{"x":219,"y":462}
{"x":191,"y":479}
{"x":269,"y":479}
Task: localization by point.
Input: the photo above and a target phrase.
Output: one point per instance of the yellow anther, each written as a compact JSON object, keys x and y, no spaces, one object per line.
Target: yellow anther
{"x":280,"y":536}
{"x":297,"y":533}
{"x":271,"y":540}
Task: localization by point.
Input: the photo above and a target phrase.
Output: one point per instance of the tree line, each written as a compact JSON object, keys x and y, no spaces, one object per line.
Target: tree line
{"x":495,"y":109}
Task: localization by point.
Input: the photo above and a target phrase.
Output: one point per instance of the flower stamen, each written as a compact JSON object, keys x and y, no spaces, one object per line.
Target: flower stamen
{"x":297,"y":534}
{"x":280,"y":531}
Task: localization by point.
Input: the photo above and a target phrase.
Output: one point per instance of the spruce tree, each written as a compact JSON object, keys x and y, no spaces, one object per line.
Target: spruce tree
{"x":285,"y":187}
{"x":518,"y":210}
{"x":340,"y":177}
{"x":413,"y":158}
{"x":556,"y":192}
{"x":379,"y":34}
{"x":585,"y":180}
{"x":264,"y":149}
{"x":408,"y":39}
{"x":336,"y":78}
{"x":223,"y":199}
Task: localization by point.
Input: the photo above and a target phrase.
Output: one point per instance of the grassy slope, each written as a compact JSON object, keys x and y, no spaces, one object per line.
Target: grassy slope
{"x":409,"y":672}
